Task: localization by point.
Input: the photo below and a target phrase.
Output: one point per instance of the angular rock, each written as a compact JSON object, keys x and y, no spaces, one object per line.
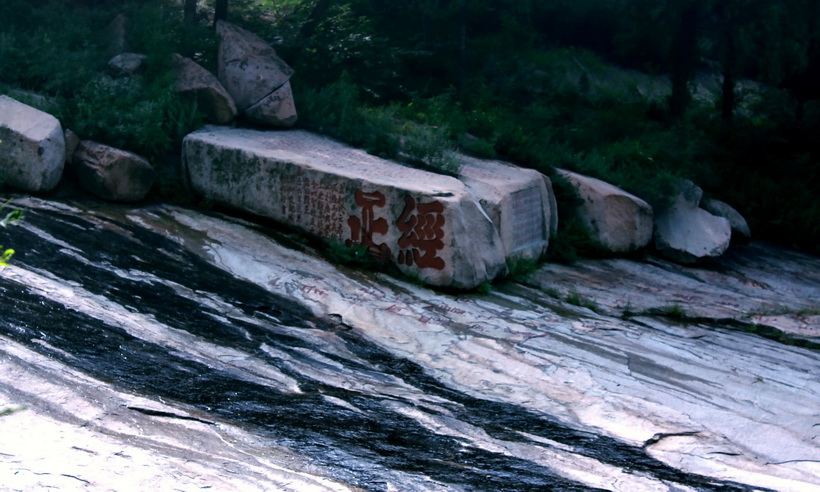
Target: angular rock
{"x":686,"y":233}
{"x":277,"y":109}
{"x":126,"y":63}
{"x":429,"y":226}
{"x":517,"y":200}
{"x":211,"y":97}
{"x":32,"y":147}
{"x":112,"y":174}
{"x":740,"y":228}
{"x":618,"y":221}
{"x":247,"y":66}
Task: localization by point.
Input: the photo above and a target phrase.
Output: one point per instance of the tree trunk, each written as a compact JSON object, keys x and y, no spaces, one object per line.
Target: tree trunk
{"x":189,"y":12}
{"x":220,"y":11}
{"x":727,"y":99}
{"x":684,"y":64}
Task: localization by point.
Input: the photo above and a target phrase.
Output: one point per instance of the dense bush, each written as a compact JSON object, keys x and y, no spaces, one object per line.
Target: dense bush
{"x":415,"y":81}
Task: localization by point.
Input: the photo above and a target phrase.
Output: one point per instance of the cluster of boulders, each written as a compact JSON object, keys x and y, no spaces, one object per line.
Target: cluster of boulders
{"x":253,"y":81}
{"x":684,"y":230}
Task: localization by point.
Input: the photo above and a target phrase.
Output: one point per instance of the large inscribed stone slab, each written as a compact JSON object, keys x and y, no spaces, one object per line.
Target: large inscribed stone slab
{"x":430,"y":226}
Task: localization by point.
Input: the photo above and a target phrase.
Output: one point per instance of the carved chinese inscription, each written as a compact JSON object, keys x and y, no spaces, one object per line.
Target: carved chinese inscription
{"x":528,"y":218}
{"x":314,"y":205}
{"x":422,"y":229}
{"x":362,"y":228}
{"x":421,"y":226}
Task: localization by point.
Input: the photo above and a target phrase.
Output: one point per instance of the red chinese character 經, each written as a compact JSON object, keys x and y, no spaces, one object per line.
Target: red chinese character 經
{"x":422,"y":229}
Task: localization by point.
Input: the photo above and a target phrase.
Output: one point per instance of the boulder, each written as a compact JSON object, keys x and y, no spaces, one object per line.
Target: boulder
{"x":686,"y":233}
{"x":126,"y":63}
{"x":32,"y":147}
{"x":617,"y":221}
{"x":429,"y":226}
{"x":248,"y":67}
{"x":517,"y":200}
{"x":253,"y":74}
{"x":112,"y":174}
{"x":740,"y":229}
{"x":211,"y":97}
{"x":277,"y":109}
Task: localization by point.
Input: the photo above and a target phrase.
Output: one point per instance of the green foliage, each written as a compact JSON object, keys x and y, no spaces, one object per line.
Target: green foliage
{"x":337,"y":109}
{"x":521,"y":267}
{"x":354,"y":255}
{"x":576,"y":299}
{"x":11,"y":218}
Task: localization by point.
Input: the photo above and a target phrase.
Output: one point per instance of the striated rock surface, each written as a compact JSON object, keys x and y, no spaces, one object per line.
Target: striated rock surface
{"x":430,"y":226}
{"x":618,"y":221}
{"x":202,"y":353}
{"x":686,"y":233}
{"x":111,"y":173}
{"x":32,"y":147}
{"x":517,"y":200}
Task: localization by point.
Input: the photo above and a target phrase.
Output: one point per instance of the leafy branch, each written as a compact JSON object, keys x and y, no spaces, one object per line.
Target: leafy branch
{"x":11,"y":218}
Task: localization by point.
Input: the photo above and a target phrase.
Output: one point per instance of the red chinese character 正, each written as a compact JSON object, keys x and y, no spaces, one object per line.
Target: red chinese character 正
{"x":362,"y":228}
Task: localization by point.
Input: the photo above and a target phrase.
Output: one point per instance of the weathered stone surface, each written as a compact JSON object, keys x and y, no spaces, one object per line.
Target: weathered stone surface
{"x":276,"y":109}
{"x":32,"y":147}
{"x":126,"y":63}
{"x":72,"y":141}
{"x":740,"y":228}
{"x":588,"y":400}
{"x":211,"y":97}
{"x":428,"y":225}
{"x":248,"y":67}
{"x":111,"y":173}
{"x":517,"y":200}
{"x":686,"y":233}
{"x":618,"y":221}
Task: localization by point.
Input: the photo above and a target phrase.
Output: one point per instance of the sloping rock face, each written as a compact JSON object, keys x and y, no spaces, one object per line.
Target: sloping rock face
{"x":32,"y":147}
{"x":518,"y":202}
{"x":211,"y":98}
{"x":430,"y":226}
{"x":686,"y":233}
{"x":255,"y":76}
{"x":111,"y":173}
{"x":618,"y":221}
{"x":740,"y":228}
{"x":309,"y":376}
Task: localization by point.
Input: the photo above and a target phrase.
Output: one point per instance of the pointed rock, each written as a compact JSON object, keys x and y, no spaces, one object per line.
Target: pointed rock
{"x":248,"y":67}
{"x":211,"y":97}
{"x":277,"y":109}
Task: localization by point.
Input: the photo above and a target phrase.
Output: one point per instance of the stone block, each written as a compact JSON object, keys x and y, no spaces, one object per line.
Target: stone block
{"x":617,"y":221}
{"x":32,"y":147}
{"x":428,"y":225}
{"x":518,"y":202}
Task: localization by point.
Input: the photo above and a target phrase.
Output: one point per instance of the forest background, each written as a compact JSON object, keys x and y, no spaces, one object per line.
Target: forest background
{"x":523,"y":80}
